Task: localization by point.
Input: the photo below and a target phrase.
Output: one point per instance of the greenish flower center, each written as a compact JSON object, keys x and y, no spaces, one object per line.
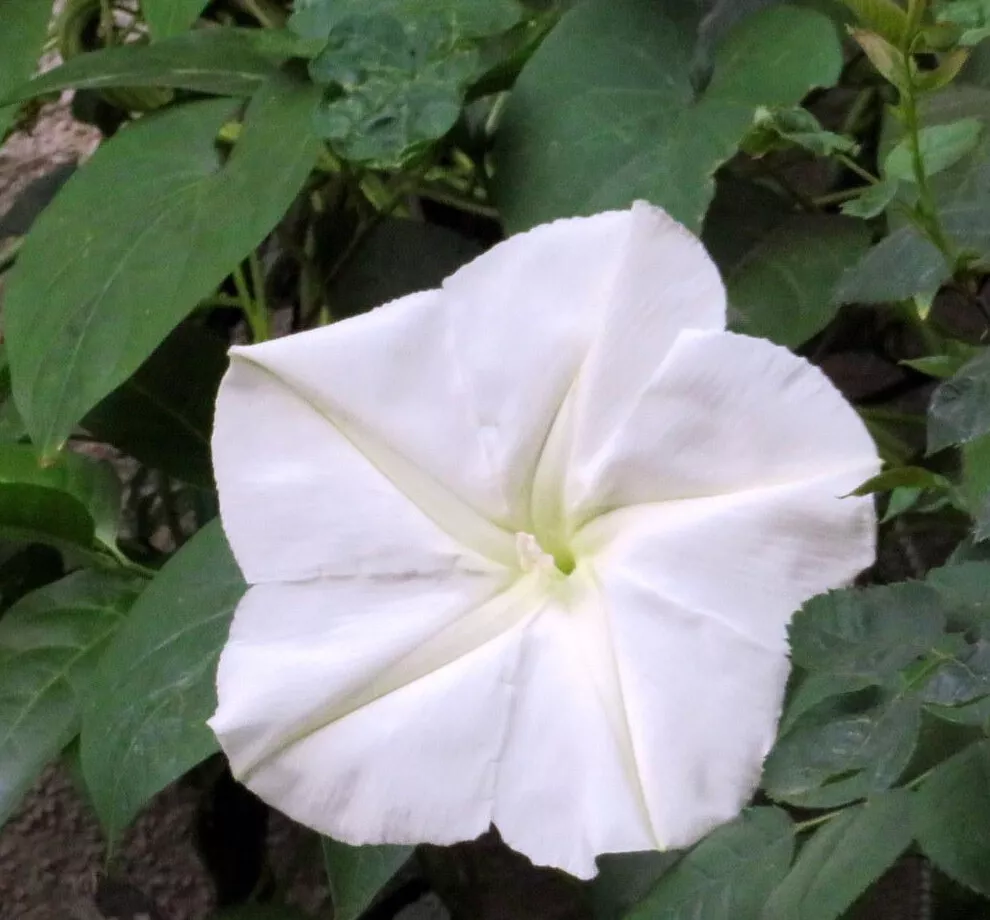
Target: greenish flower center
{"x":549,"y":556}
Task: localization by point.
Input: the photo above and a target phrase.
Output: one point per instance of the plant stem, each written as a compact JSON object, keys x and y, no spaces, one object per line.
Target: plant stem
{"x":803,"y":826}
{"x":854,"y":167}
{"x":926,"y":201}
{"x":257,"y":318}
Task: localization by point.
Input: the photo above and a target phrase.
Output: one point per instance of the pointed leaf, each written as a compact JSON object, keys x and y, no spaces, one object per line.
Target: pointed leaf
{"x":173,"y":221}
{"x":782,"y":289}
{"x":357,"y":874}
{"x":842,"y":751}
{"x":169,"y":17}
{"x":951,"y":817}
{"x":728,"y":875}
{"x":960,"y":408}
{"x":843,"y":859}
{"x":163,"y":415}
{"x":605,"y":113}
{"x":67,"y":503}
{"x":872,"y":632}
{"x":22,"y":37}
{"x":50,"y":641}
{"x":223,"y":62}
{"x":941,"y":146}
{"x":145,"y":723}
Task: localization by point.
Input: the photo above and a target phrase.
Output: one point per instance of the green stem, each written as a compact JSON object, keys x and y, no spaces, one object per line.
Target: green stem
{"x":845,"y":194}
{"x":257,"y":319}
{"x":461,"y":202}
{"x":854,"y":167}
{"x":803,"y":826}
{"x":9,"y":255}
{"x":926,"y":200}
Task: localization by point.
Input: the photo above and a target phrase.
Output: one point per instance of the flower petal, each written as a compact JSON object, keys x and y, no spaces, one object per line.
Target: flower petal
{"x":702,"y":703}
{"x":664,"y":284}
{"x":373,"y":709}
{"x":305,"y":492}
{"x":569,"y":788}
{"x":606,"y":295}
{"x":724,"y":413}
{"x":749,"y":559}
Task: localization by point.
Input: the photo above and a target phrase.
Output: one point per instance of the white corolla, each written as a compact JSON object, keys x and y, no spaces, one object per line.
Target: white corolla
{"x":523,"y":550}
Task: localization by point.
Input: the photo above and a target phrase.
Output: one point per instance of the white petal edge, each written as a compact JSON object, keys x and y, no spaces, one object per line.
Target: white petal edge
{"x":724,"y":413}
{"x":300,"y":497}
{"x":747,"y":560}
{"x":702,"y":704}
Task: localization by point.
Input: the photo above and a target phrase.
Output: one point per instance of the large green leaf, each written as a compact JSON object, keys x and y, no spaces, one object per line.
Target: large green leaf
{"x":22,"y":35}
{"x":952,"y":817}
{"x":172,"y":219}
{"x":50,"y":641}
{"x":145,"y":724}
{"x":873,"y":632}
{"x":898,"y":267}
{"x":782,"y":289}
{"x":223,"y":62}
{"x":169,"y":17}
{"x":843,"y":858}
{"x":357,"y":874}
{"x":163,"y":414}
{"x":70,"y":502}
{"x":605,"y":112}
{"x":396,"y":71}
{"x":624,"y":879}
{"x":844,"y":749}
{"x":960,"y":407}
{"x":728,"y":875}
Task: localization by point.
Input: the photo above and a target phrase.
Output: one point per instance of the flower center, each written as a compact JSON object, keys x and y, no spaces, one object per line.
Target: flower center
{"x":534,"y":558}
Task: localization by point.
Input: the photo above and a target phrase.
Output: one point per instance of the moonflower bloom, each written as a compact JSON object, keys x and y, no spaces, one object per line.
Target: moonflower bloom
{"x":522,"y":550}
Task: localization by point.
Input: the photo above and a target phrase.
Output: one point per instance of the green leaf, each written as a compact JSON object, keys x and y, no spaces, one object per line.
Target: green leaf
{"x":605,"y":113}
{"x":915,"y":476}
{"x":941,"y":146}
{"x":951,"y":817}
{"x":357,"y":874}
{"x":173,"y":221}
{"x":843,"y":859}
{"x":741,"y":214}
{"x":397,"y":258}
{"x":872,"y":632}
{"x":12,"y":427}
{"x":782,"y":289}
{"x":222,"y":62}
{"x":793,"y":126}
{"x":145,"y":723}
{"x":25,"y":27}
{"x":67,"y":503}
{"x":898,"y":267}
{"x":163,"y":415}
{"x":624,"y":879}
{"x":169,"y":17}
{"x":843,"y":750}
{"x":396,"y":71}
{"x":727,"y":876}
{"x":960,"y":407}
{"x":884,"y":17}
{"x":50,"y":641}
{"x":873,"y":200}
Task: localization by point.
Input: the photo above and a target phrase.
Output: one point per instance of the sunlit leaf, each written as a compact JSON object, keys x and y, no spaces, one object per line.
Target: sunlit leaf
{"x":148,"y":228}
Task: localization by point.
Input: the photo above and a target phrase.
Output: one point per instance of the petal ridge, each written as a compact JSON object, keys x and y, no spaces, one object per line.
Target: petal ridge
{"x":448,"y":511}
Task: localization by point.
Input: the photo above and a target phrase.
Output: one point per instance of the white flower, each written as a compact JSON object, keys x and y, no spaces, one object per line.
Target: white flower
{"x":523,"y":550}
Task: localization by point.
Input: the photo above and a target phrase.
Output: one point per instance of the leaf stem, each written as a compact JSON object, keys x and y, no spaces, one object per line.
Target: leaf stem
{"x":854,"y":167}
{"x":256,"y":316}
{"x":803,"y":826}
